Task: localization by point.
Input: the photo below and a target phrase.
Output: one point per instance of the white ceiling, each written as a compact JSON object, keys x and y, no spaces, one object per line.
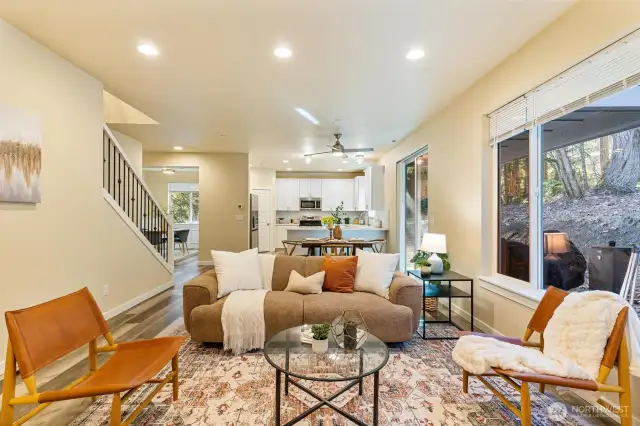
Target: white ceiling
{"x":216,"y":85}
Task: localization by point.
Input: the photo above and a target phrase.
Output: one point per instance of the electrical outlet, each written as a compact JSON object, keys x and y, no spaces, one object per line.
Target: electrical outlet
{"x":105,"y":289}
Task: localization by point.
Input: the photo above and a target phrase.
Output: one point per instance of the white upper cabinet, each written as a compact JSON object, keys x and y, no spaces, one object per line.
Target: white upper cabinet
{"x":360,"y":193}
{"x":374,"y":183}
{"x":315,"y":188}
{"x":310,"y":188}
{"x":288,"y":194}
{"x":335,"y":191}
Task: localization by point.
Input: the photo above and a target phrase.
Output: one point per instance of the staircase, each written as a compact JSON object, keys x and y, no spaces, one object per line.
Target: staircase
{"x":129,"y":196}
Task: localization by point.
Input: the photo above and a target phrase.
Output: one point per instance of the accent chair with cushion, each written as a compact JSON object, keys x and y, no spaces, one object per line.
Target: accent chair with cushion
{"x":391,"y":320}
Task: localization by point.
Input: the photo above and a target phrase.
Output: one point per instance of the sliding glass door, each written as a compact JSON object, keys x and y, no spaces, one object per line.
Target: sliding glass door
{"x":413,"y":204}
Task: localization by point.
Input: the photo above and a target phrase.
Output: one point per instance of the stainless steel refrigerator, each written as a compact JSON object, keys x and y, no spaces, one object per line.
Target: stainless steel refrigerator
{"x":254,"y":222}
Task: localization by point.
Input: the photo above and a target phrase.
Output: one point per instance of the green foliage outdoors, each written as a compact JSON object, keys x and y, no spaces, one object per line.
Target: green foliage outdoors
{"x":185,"y":206}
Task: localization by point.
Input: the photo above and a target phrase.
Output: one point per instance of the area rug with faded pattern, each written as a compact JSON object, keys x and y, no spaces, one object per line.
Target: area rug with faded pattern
{"x":420,"y":385}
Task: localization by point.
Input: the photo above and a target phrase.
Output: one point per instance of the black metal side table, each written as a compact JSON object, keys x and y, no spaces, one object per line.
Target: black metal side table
{"x":442,"y":292}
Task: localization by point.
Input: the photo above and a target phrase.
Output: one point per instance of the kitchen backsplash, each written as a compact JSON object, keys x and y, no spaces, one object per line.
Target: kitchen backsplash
{"x":287,"y":216}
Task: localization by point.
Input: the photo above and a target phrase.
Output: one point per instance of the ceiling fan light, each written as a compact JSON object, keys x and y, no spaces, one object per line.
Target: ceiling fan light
{"x":337,"y":154}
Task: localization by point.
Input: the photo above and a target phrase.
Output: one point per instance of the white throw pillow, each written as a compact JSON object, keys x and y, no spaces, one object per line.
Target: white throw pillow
{"x":375,"y":272}
{"x":237,"y":271}
{"x":305,"y":285}
{"x":267,"y":261}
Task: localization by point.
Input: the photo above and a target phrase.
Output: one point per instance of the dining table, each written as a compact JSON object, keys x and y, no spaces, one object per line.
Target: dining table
{"x":315,"y":245}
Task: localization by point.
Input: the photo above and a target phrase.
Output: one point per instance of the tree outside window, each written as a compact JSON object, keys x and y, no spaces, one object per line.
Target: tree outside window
{"x":184,"y":206}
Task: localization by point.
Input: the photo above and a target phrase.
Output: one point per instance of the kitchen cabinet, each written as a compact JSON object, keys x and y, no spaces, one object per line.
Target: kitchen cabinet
{"x":310,"y":188}
{"x":360,"y":193}
{"x":281,"y":235}
{"x":374,"y":188}
{"x":335,"y":191}
{"x":288,"y":195}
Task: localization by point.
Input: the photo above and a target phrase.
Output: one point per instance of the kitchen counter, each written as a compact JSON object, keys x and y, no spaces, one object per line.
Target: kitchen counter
{"x":355,"y":228}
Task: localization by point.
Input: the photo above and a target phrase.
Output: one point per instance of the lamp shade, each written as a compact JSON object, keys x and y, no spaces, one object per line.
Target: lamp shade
{"x":435,"y":243}
{"x":555,"y":242}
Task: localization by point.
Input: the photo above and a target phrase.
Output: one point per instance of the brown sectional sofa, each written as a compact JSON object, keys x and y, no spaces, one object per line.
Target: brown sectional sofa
{"x":392,"y":320}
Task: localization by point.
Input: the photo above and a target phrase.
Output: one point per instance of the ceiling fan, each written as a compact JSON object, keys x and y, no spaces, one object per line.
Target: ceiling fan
{"x":338,"y":150}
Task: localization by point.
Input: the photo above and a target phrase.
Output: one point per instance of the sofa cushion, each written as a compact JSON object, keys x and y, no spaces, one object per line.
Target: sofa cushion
{"x":281,"y":311}
{"x":305,"y":285}
{"x":386,"y":321}
{"x":282,"y":267}
{"x":340,"y":274}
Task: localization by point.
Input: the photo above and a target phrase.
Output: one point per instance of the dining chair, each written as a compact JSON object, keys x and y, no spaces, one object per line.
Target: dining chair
{"x":290,"y":246}
{"x":378,"y":245}
{"x":181,"y":236}
{"x":337,"y":249}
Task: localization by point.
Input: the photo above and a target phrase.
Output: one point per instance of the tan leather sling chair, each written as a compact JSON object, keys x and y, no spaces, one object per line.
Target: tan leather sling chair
{"x":615,"y":350}
{"x":44,"y":333}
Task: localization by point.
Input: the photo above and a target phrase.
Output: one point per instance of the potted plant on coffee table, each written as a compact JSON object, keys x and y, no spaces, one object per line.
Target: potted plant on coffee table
{"x":320,"y":343}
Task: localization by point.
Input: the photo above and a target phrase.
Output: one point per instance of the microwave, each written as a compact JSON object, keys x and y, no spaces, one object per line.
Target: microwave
{"x":310,"y":204}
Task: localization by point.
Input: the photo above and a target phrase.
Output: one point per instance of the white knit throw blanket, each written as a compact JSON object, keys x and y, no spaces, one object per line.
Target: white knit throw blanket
{"x":243,"y":321}
{"x":574,"y":341}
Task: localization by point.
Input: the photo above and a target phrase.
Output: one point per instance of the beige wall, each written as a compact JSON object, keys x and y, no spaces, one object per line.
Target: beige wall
{"x":460,"y":173}
{"x":223,"y":184}
{"x":72,"y":238}
{"x":132,"y":149}
{"x":158,"y":183}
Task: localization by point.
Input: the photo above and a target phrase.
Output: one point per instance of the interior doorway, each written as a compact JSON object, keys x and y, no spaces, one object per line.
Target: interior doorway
{"x":264,"y":219}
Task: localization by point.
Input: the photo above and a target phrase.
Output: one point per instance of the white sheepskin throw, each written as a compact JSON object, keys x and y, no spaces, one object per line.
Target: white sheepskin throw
{"x":575,"y":339}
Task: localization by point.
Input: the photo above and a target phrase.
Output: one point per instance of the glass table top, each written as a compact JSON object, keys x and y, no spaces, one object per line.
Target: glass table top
{"x":286,"y":352}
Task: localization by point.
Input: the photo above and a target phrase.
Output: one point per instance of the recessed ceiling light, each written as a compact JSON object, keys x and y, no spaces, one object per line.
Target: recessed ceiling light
{"x":289,"y":169}
{"x":339,"y":170}
{"x":307,"y":160}
{"x":393,"y":141}
{"x":344,"y":161}
{"x":415,"y":54}
{"x":169,"y":171}
{"x":178,"y":148}
{"x":303,"y":112}
{"x":148,"y":49}
{"x":285,"y":161}
{"x":282,"y":52}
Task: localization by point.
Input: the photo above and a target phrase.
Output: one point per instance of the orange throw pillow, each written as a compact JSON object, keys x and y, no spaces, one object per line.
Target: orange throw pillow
{"x":340,"y":274}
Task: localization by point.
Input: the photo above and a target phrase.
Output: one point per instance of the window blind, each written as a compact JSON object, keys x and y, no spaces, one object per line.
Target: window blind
{"x":609,"y":71}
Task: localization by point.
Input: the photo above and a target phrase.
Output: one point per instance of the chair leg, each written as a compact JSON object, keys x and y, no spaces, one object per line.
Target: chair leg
{"x":8,"y":387}
{"x":116,"y":410}
{"x":174,"y":369}
{"x":525,"y":404}
{"x":187,"y":247}
{"x":624,"y":381}
{"x":93,"y":361}
{"x":541,"y":387}
{"x":465,"y":381}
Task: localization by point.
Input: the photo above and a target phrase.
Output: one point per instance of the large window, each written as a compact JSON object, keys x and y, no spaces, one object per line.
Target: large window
{"x":184,"y":206}
{"x":585,"y":166}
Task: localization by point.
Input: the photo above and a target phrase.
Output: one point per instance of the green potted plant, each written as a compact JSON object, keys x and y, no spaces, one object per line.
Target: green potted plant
{"x":421,"y":260}
{"x":320,"y":343}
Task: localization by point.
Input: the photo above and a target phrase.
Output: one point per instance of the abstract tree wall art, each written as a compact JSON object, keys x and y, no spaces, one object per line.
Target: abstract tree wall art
{"x":20,"y":156}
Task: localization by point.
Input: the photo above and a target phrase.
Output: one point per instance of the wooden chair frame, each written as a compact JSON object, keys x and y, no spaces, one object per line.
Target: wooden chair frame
{"x":616,"y":350}
{"x":44,"y":399}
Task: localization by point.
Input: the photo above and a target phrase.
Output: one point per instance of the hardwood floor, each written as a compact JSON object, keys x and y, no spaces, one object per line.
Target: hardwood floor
{"x":157,"y":316}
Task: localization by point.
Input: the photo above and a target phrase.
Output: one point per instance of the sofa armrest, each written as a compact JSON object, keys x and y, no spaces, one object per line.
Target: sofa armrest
{"x":407,"y":292}
{"x":202,"y":290}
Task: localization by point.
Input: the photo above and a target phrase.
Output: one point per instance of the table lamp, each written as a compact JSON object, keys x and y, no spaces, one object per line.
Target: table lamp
{"x":555,"y":243}
{"x":434,"y":243}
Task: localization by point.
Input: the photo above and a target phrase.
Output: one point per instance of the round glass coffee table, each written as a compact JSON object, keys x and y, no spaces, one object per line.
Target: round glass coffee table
{"x":289,"y":356}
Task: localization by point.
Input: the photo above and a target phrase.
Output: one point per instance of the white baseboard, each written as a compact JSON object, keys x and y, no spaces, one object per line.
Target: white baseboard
{"x":476,"y":322}
{"x":121,"y":308}
{"x":136,"y":300}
